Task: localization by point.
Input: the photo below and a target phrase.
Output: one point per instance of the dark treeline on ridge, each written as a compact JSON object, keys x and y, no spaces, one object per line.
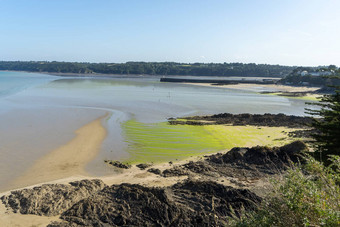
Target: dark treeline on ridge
{"x":151,"y":68}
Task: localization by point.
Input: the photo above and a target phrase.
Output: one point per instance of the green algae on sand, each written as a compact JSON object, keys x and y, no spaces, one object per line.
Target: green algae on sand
{"x":307,"y":97}
{"x":161,"y":142}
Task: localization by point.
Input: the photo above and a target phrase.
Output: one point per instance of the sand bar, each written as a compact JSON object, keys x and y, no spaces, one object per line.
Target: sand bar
{"x":67,"y":160}
{"x":258,"y":87}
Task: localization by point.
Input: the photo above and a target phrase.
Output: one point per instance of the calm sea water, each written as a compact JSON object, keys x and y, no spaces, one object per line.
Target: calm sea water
{"x":38,"y":113}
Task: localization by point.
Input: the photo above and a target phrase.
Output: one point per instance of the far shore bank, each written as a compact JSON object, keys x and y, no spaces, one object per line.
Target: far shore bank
{"x":108,"y":75}
{"x":256,"y":87}
{"x":287,"y":91}
{"x":86,"y":75}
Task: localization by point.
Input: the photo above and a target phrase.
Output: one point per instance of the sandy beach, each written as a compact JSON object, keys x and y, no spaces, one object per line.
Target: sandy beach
{"x":66,"y":164}
{"x":257,"y":87}
{"x":67,"y":160}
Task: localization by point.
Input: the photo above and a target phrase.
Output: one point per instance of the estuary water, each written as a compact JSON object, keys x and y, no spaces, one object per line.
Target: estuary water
{"x":39,"y":113}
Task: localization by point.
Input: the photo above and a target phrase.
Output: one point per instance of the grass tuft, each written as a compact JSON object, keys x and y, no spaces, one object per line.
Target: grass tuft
{"x":308,"y":196}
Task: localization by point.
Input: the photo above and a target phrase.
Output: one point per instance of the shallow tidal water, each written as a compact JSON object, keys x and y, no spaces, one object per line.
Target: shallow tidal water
{"x":39,"y":113}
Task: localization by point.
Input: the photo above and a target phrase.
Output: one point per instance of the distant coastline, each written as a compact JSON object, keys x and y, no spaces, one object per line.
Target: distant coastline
{"x":152,"y":68}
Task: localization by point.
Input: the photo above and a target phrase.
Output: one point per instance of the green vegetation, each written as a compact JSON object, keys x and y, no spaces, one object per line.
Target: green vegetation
{"x":308,"y":196}
{"x":327,"y":138}
{"x":151,"y":68}
{"x":307,"y":97}
{"x":159,"y":142}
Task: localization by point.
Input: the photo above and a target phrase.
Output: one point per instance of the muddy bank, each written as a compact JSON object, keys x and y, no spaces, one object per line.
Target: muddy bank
{"x":216,"y":187}
{"x":270,"y":120}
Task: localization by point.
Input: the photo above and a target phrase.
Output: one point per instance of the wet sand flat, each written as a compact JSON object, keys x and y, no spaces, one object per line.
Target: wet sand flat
{"x":67,"y":160}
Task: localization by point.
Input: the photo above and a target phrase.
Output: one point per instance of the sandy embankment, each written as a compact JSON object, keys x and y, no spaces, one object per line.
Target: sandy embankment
{"x":67,"y":160}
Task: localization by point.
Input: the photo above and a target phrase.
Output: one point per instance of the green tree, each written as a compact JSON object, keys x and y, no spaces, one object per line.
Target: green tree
{"x":327,"y":125}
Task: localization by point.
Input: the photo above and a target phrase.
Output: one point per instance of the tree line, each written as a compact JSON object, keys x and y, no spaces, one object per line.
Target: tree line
{"x":151,"y":68}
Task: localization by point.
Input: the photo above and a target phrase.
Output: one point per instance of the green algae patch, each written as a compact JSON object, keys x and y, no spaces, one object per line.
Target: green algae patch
{"x":308,"y":97}
{"x":162,"y":142}
{"x":247,"y":136}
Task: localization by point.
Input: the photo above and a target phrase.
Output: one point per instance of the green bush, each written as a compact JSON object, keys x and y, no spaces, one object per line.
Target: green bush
{"x":306,"y":196}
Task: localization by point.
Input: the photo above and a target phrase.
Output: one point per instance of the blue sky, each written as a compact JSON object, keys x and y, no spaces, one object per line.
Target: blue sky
{"x":288,"y":32}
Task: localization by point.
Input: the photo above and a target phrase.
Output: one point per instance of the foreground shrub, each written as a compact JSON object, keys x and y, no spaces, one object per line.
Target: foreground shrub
{"x":307,"y":196}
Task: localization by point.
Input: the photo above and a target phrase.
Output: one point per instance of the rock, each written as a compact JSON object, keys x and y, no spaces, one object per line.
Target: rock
{"x":192,"y":203}
{"x":188,"y":203}
{"x":296,"y":147}
{"x":143,"y":166}
{"x":234,"y":154}
{"x":211,"y":197}
{"x":125,"y":205}
{"x":155,"y":171}
{"x":243,"y":163}
{"x":51,"y":199}
{"x":175,"y":171}
{"x":271,"y":120}
{"x":201,"y":167}
{"x":119,"y":164}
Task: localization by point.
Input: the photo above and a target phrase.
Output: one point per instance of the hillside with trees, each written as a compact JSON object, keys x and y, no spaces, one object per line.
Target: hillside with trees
{"x":151,"y":68}
{"x":321,"y":76}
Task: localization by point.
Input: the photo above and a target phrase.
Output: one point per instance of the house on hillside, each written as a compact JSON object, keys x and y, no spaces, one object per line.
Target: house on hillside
{"x":304,"y":73}
{"x":321,"y":73}
{"x":317,"y":73}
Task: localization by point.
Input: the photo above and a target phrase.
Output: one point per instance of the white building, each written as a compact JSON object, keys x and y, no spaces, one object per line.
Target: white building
{"x":304,"y":73}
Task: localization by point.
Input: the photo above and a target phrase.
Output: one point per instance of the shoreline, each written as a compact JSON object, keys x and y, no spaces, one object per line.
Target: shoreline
{"x":134,"y":175}
{"x":178,"y":173}
{"x":286,"y":91}
{"x":67,"y":160}
{"x":255,"y":87}
{"x":67,"y":163}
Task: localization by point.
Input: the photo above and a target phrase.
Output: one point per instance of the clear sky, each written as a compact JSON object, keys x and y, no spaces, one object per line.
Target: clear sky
{"x":288,"y":32}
